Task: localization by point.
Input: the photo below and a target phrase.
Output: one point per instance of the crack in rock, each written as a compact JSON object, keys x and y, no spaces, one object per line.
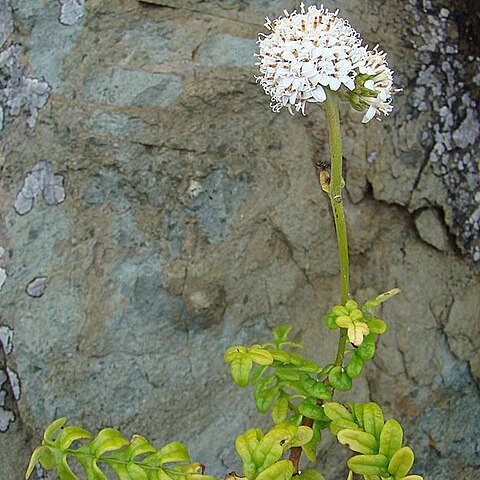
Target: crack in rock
{"x":18,"y":92}
{"x":41,"y":179}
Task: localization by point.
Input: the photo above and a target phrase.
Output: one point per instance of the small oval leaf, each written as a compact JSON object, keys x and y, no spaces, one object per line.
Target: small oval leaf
{"x":369,"y":465}
{"x":358,"y":441}
{"x":401,"y":462}
{"x":391,"y":438}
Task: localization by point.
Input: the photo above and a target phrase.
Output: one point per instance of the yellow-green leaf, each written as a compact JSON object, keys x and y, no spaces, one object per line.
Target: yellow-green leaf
{"x":412,"y":477}
{"x":282,"y":470}
{"x":173,"y":452}
{"x":52,"y":429}
{"x":260,"y":355}
{"x":233,"y":353}
{"x":373,"y":419}
{"x":369,"y":465}
{"x":68,"y":435}
{"x":358,"y":441}
{"x":401,"y":462}
{"x":310,"y":474}
{"x":391,"y":438}
{"x":280,"y":410}
{"x":336,"y":411}
{"x":43,"y":455}
{"x":341,"y":424}
{"x":240,"y":369}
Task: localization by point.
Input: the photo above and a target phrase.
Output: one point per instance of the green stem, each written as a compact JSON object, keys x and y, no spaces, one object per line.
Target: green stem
{"x":336,"y":200}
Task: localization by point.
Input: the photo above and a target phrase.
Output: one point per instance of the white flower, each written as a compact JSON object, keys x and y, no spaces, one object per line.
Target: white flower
{"x":308,"y":52}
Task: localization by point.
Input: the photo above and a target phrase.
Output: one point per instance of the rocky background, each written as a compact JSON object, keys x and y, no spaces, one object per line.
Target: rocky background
{"x":154,"y":211}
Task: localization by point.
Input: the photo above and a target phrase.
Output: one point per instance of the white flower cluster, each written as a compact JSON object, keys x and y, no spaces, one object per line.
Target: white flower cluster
{"x":307,"y":52}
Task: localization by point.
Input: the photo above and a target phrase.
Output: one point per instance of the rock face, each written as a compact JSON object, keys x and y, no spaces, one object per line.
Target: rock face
{"x":154,"y":212}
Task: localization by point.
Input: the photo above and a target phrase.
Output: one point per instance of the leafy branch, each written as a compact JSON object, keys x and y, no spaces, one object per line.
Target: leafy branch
{"x":136,"y":459}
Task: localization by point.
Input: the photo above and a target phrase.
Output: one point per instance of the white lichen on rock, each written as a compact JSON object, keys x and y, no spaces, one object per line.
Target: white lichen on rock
{"x":18,"y":92}
{"x":9,"y":381}
{"x":71,"y":11}
{"x":451,"y":136}
{"x":36,"y":288}
{"x":41,"y":179}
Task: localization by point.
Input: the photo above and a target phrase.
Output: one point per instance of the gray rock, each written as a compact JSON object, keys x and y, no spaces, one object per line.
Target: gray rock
{"x":226,"y":50}
{"x":6,"y":22}
{"x":133,"y":87}
{"x":431,"y":229}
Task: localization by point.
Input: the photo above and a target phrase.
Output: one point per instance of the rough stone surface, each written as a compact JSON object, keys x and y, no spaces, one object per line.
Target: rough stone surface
{"x":431,"y":229}
{"x":174,"y":215}
{"x":6,"y":21}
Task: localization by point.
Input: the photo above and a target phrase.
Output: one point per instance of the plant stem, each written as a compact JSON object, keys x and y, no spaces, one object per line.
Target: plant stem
{"x":335,"y":188}
{"x":336,"y":180}
{"x":336,"y":200}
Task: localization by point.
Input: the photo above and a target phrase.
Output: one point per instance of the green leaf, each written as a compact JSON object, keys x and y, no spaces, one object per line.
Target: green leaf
{"x":257,"y":373}
{"x":173,"y":452}
{"x":369,"y":465}
{"x":358,"y":441}
{"x":331,"y":321}
{"x":287,"y":373}
{"x":339,"y":380}
{"x":357,"y":410}
{"x":240,"y":369}
{"x":341,"y":424}
{"x":130,"y":472}
{"x":354,"y":366}
{"x":377,"y":326}
{"x":412,"y":477}
{"x":282,"y":470}
{"x":245,"y":445}
{"x":272,"y":446}
{"x":52,"y":429}
{"x":373,"y":419}
{"x":391,"y":438}
{"x":234,"y":353}
{"x":264,"y":398}
{"x":63,"y":469}
{"x":309,"y":408}
{"x":310,"y":448}
{"x":310,"y":474}
{"x":302,"y":437}
{"x":366,"y":351}
{"x":280,"y":334}
{"x":43,"y":455}
{"x":316,"y":389}
{"x":68,"y":435}
{"x":401,"y":462}
{"x":280,"y":410}
{"x":351,"y":305}
{"x":107,"y":440}
{"x":336,"y":411}
{"x":281,"y":356}
{"x":338,"y":311}
{"x":260,"y":355}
